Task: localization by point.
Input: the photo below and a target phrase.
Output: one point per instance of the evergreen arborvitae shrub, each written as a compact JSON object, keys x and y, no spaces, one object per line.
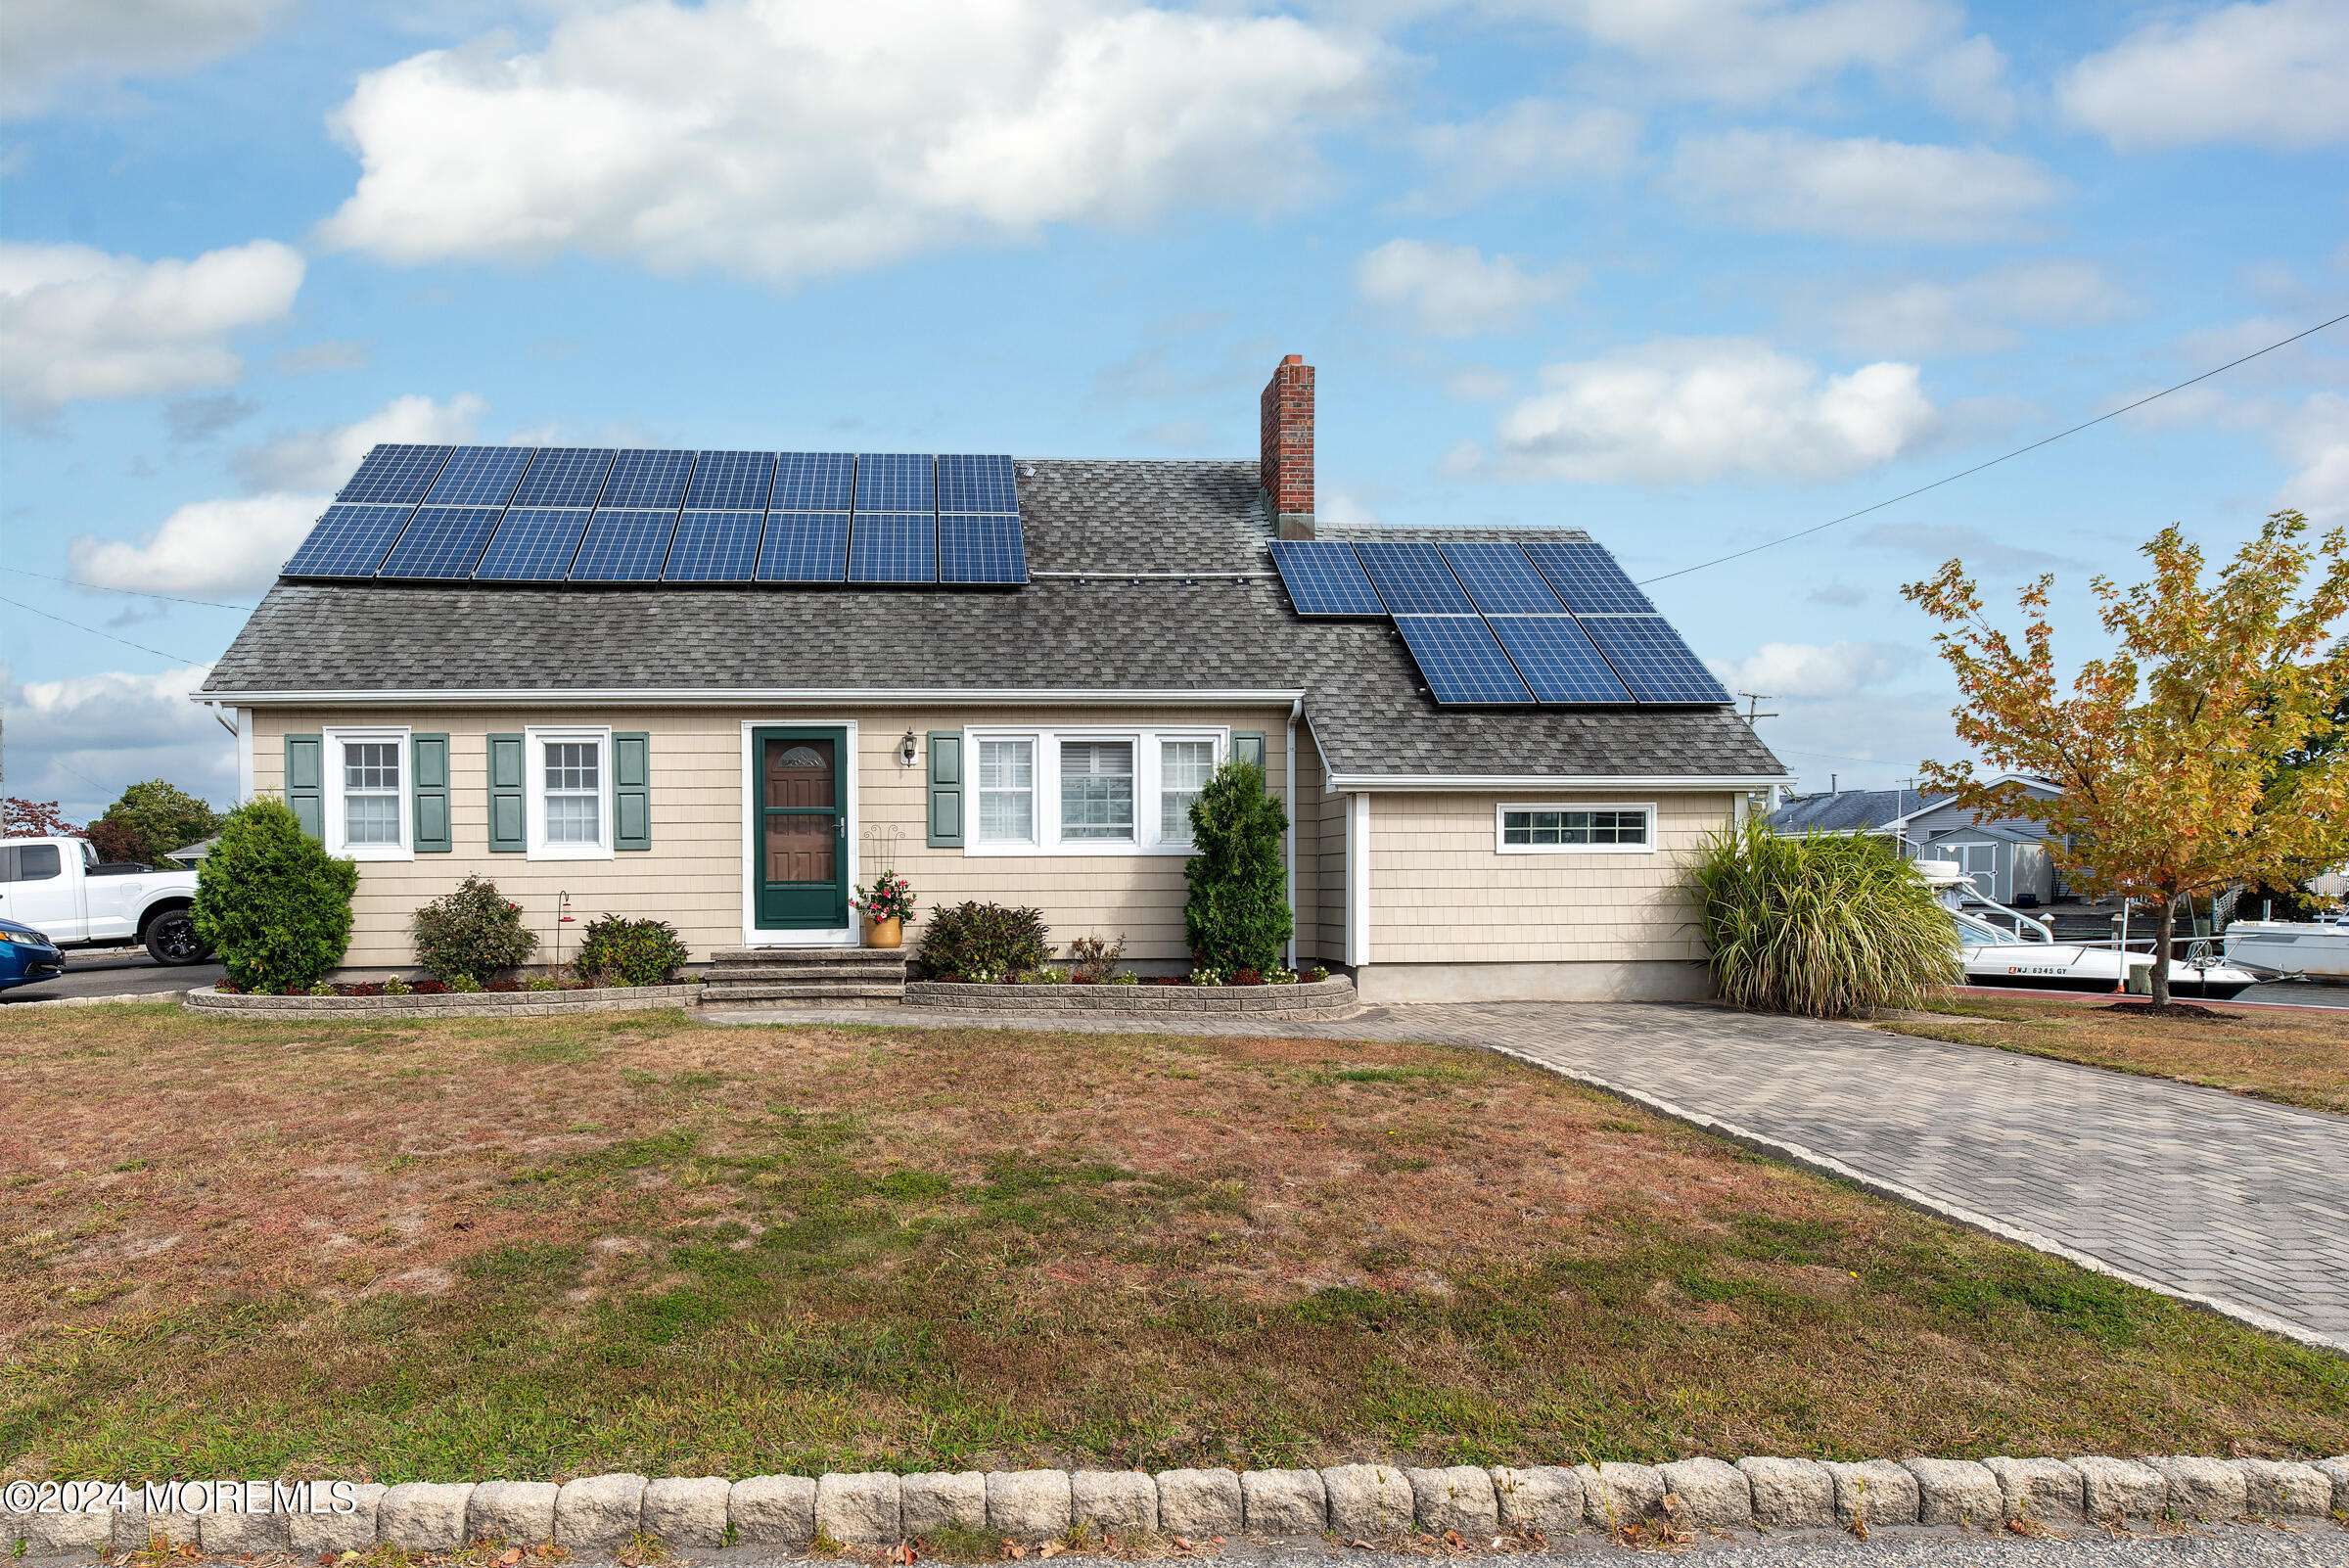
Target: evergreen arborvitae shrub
{"x":991,"y":939}
{"x":471,"y":933}
{"x":620,"y":951}
{"x":1237,"y":915}
{"x":272,"y":902}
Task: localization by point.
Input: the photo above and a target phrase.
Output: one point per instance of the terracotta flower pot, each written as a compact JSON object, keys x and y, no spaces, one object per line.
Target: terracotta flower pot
{"x":883,"y":933}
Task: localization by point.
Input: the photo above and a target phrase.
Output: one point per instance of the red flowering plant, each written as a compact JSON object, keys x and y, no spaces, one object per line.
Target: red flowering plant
{"x":891,"y":898}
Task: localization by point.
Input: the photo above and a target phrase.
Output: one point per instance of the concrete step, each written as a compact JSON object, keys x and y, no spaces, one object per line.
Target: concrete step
{"x":733,"y":972}
{"x":728,"y":956}
{"x":718,"y":992}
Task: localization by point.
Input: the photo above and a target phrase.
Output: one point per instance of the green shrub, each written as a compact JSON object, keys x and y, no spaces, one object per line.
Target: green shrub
{"x":992,"y":938}
{"x":471,"y":933}
{"x":272,"y":902}
{"x":618,"y":951}
{"x":1825,"y":927}
{"x":1237,"y":916}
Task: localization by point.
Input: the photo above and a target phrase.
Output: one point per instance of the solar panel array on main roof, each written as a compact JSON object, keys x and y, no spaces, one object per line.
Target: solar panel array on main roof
{"x":441,"y":541}
{"x":893,"y":547}
{"x":1556,"y":656}
{"x":715,"y":547}
{"x":1653,"y":660}
{"x":805,"y":548}
{"x":981,"y":549}
{"x":1588,"y":578}
{"x":1411,"y":577}
{"x":1461,"y":661}
{"x":814,"y":481}
{"x":731,"y":481}
{"x":1324,"y":577}
{"x":479,"y":476}
{"x":533,"y":545}
{"x":1500,"y":579}
{"x":974,"y":483}
{"x":392,"y":474}
{"x":648,"y":479}
{"x":349,"y":541}
{"x":896,"y":481}
{"x":624,"y":545}
{"x":565,"y":476}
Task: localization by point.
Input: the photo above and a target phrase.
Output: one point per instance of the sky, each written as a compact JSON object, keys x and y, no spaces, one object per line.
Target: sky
{"x":1689,"y":274}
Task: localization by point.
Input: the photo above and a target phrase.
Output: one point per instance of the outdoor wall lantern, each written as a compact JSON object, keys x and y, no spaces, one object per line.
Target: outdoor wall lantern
{"x":906,"y":753}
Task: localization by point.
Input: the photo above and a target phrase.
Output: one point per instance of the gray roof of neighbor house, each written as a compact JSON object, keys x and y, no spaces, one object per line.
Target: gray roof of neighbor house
{"x":1848,"y":810}
{"x":1223,"y":625}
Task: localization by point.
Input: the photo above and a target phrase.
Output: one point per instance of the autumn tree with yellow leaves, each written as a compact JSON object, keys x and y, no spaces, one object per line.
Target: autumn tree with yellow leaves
{"x":2194,"y":754}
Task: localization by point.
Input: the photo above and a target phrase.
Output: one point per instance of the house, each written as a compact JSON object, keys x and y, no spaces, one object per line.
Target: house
{"x":679,"y":704}
{"x":2007,"y":859}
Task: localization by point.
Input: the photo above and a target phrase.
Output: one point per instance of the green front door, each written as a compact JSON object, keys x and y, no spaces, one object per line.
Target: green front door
{"x":802,"y":829}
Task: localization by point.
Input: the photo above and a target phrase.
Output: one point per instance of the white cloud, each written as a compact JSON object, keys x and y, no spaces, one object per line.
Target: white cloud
{"x":83,"y":739}
{"x":1862,"y":187}
{"x":1452,"y":291}
{"x":322,"y":459}
{"x":2273,"y":75}
{"x":75,"y":322}
{"x":204,"y":549}
{"x":1690,"y":411}
{"x":787,"y":139}
{"x":1750,"y":51}
{"x":1969,"y":82}
{"x":1795,"y":670}
{"x":48,"y":45}
{"x":1537,"y":143}
{"x":1976,"y":314}
{"x":2317,"y":439}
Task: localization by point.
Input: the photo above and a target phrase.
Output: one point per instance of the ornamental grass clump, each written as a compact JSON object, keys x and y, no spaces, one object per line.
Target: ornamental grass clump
{"x":474,"y":933}
{"x":1820,"y":926}
{"x":271,"y":901}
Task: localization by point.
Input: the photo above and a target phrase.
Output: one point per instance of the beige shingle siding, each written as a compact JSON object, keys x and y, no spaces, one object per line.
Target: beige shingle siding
{"x":1442,"y":893}
{"x":1330,"y":932}
{"x":693,"y":873}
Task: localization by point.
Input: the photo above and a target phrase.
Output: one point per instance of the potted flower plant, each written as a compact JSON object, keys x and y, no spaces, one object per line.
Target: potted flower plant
{"x":887,"y":905}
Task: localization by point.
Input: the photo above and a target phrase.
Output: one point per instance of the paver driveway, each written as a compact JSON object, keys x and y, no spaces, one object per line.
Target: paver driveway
{"x":2193,"y":1191}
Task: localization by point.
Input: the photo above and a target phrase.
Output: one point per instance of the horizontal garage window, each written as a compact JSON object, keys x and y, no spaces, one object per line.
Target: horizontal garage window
{"x":1540,"y":828}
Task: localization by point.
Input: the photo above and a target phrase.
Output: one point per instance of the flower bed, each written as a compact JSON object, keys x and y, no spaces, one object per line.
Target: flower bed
{"x":431,"y":1000}
{"x":1312,"y":998}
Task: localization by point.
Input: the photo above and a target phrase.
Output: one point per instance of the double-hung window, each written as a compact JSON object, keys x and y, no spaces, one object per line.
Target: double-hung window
{"x":1566,"y":829}
{"x":1007,"y":791}
{"x":568,"y":801}
{"x":1183,"y":770}
{"x":1091,"y":791}
{"x":1096,"y":790}
{"x":368,"y":804}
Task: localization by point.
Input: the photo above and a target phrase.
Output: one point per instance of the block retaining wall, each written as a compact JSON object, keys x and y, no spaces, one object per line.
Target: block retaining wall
{"x":454,"y":1005}
{"x":1353,"y":1502}
{"x":1333,"y":998}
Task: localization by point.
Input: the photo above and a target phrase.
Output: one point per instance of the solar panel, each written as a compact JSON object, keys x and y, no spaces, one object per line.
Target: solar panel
{"x":1588,"y":578}
{"x":1460,"y":660}
{"x":967,"y":483}
{"x":642,"y":477}
{"x":981,"y":549}
{"x":1500,"y":579}
{"x":1324,"y":578}
{"x":1556,"y":659}
{"x":814,"y":481}
{"x":479,"y":476}
{"x":805,"y":548}
{"x":892,"y":547}
{"x":715,"y":547}
{"x":624,"y":545}
{"x":1412,"y":578}
{"x":441,"y":541}
{"x":349,"y":541}
{"x":533,"y":545}
{"x":896,"y":481}
{"x":565,"y":476}
{"x":731,"y":481}
{"x":392,"y":474}
{"x":1652,"y":661}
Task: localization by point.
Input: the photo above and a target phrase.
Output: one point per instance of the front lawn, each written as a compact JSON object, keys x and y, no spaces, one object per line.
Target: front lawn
{"x":479,"y":1247}
{"x":2296,"y":1058}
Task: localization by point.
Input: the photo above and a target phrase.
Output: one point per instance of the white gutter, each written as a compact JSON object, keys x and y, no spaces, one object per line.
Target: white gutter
{"x":739,"y":696}
{"x":1427,"y":783}
{"x":1288,"y":781}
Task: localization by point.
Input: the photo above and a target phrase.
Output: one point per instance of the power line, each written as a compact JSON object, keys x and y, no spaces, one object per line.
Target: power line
{"x":1789,"y":538}
{"x":108,"y":635}
{"x":136,"y":593}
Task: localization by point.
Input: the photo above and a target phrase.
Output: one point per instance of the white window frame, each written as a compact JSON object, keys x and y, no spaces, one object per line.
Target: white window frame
{"x":1500,"y":823}
{"x":1046,"y":810}
{"x":533,"y":794}
{"x":979,"y":791}
{"x":331,"y":791}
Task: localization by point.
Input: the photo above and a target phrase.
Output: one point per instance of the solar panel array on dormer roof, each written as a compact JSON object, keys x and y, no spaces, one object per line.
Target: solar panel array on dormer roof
{"x":597,"y":515}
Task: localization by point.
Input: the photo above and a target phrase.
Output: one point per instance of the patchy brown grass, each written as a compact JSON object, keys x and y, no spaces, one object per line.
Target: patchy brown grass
{"x":539,"y":1248}
{"x":2295,"y":1058}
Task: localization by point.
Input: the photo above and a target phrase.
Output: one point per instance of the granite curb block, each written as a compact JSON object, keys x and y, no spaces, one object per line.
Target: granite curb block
{"x":1352,"y":1501}
{"x":1305,"y":1000}
{"x":450,"y":1005}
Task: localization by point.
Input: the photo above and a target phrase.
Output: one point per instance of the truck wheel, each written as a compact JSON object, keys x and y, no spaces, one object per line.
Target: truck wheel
{"x":171,"y":938}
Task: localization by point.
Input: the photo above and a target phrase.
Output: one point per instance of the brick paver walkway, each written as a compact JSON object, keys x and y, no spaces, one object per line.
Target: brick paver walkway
{"x":2196,"y":1193}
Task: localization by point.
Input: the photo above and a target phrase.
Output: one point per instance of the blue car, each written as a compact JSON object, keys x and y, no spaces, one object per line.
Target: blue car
{"x":27,"y":955}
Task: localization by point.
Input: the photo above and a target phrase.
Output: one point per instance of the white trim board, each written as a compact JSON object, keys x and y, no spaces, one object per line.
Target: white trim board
{"x":719,"y":697}
{"x":1456,"y":783}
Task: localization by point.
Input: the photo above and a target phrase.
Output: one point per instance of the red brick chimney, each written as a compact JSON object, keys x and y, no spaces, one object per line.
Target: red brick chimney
{"x":1286,"y":467}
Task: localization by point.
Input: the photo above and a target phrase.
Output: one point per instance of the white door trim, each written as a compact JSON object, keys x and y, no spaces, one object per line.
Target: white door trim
{"x":751,"y":936}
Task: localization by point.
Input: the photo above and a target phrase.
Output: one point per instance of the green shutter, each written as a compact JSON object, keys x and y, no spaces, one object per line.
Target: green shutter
{"x":429,"y":769}
{"x":632,"y":791}
{"x":945,"y":789}
{"x":306,"y":782}
{"x":505,"y":794}
{"x":1248,"y":745}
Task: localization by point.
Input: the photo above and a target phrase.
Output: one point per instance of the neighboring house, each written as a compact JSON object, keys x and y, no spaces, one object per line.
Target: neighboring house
{"x":2006,"y":858}
{"x":734,"y":753}
{"x":1849,"y":811}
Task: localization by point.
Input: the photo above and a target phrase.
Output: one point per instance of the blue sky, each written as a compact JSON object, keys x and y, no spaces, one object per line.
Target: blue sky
{"x":1689,"y":274}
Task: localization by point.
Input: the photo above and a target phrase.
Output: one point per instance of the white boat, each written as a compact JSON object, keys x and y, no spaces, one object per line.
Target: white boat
{"x":1994,"y":955}
{"x":2290,"y":950}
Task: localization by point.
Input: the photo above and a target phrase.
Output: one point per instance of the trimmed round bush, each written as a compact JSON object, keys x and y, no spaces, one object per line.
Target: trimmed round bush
{"x":1237,"y":916}
{"x":471,"y":933}
{"x":272,"y":902}
{"x":985,"y":938}
{"x":618,"y":951}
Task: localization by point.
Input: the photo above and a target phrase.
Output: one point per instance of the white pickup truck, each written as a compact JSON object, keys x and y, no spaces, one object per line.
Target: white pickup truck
{"x":57,"y":887}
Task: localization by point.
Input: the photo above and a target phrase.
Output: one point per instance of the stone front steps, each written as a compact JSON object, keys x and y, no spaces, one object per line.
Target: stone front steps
{"x":830,"y":977}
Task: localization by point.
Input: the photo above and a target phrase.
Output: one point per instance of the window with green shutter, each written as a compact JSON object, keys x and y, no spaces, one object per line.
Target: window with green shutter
{"x":508,"y":825}
{"x":306,"y":782}
{"x":945,"y":789}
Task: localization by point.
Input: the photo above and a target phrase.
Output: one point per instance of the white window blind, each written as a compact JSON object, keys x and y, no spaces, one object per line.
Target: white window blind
{"x":1096,"y":790}
{"x":1006,"y":791}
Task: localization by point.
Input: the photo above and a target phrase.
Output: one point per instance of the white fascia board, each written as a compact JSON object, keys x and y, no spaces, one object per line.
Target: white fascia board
{"x":739,"y":696}
{"x":1430,"y":783}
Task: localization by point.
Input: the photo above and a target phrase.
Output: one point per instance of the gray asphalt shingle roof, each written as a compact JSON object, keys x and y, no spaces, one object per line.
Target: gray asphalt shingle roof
{"x":1369,"y":712}
{"x":1847,"y":810}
